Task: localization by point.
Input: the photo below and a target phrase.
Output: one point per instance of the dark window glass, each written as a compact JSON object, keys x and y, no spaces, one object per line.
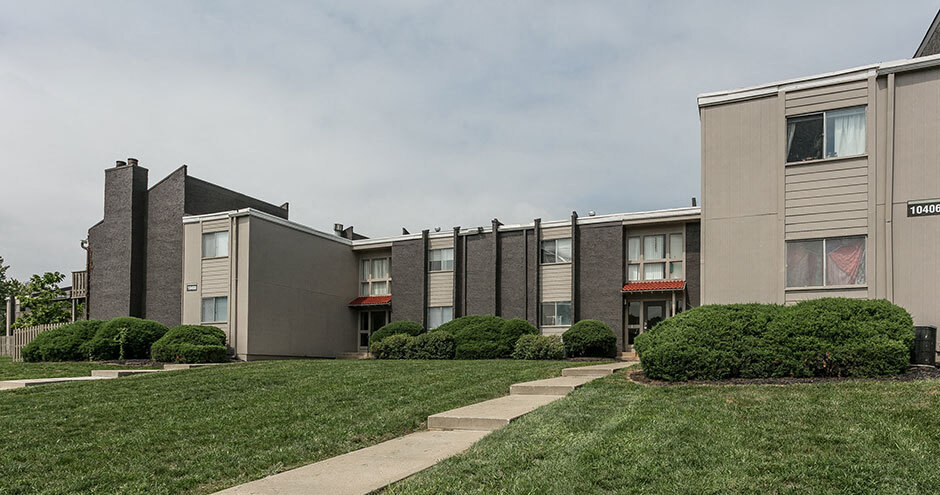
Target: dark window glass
{"x":633,"y":313}
{"x":378,"y":320}
{"x":548,"y":251}
{"x":363,"y":339}
{"x":805,"y":138}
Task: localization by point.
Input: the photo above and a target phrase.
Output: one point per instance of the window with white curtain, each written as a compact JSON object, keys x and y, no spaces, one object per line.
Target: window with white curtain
{"x":214,"y":309}
{"x":829,"y":134}
{"x":826,"y":262}
{"x":215,"y":244}
{"x":441,"y":260}
{"x":374,"y":279}
{"x":439,"y":315}
{"x":648,"y":258}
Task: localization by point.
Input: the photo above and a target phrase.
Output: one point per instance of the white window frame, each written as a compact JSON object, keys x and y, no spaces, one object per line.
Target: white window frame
{"x":667,"y":261}
{"x":554,"y":242}
{"x":369,"y":281}
{"x":825,"y":283}
{"x":441,"y":311}
{"x":825,"y":143}
{"x":444,"y":267}
{"x":215,"y":243}
{"x":215,"y":307}
{"x":554,"y":314}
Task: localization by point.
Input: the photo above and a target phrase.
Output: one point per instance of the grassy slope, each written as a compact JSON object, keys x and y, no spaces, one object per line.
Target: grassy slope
{"x":16,"y":371}
{"x":205,"y":429}
{"x":613,"y":436}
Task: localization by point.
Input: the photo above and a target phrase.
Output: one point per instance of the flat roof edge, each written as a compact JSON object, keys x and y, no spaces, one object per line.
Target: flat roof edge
{"x":816,"y":80}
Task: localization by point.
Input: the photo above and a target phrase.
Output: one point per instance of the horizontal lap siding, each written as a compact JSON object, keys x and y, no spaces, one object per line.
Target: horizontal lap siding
{"x":556,"y":233}
{"x":828,"y":198}
{"x":803,"y":295}
{"x":215,"y":225}
{"x":215,"y":277}
{"x":828,"y":98}
{"x":441,"y":243}
{"x":555,"y":282}
{"x":441,"y":289}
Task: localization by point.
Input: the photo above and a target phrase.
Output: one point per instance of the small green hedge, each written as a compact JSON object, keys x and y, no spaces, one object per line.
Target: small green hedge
{"x":191,"y":344}
{"x":590,"y":338}
{"x":396,"y":327}
{"x":138,"y":336}
{"x":61,"y":344}
{"x":539,"y":347}
{"x":821,"y":337}
{"x":432,"y":345}
{"x":486,"y":337}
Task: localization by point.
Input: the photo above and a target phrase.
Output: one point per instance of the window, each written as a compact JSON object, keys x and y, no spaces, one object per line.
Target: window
{"x":826,"y":262}
{"x":439,"y":316}
{"x":215,"y":244}
{"x":374,"y":279}
{"x":556,"y":313}
{"x":828,"y":134}
{"x":214,"y":309}
{"x":556,"y":251}
{"x":441,"y":260}
{"x":648,"y":259}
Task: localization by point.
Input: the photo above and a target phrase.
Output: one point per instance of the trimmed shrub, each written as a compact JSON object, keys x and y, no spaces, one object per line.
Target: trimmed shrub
{"x":61,"y":344}
{"x":435,"y":345}
{"x":397,"y":346}
{"x":590,"y":338}
{"x":191,"y":344}
{"x":396,"y":327}
{"x":821,"y":337}
{"x":137,"y":336}
{"x":510,"y":333}
{"x":531,"y":346}
{"x":477,"y":337}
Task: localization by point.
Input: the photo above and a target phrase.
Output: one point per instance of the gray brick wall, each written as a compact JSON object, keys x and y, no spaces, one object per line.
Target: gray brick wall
{"x":480,"y":274}
{"x":408,"y":280}
{"x":532,"y":275}
{"x":512,"y":291}
{"x":600,"y":277}
{"x":693,"y":268}
{"x":117,"y":246}
{"x":164,"y":248}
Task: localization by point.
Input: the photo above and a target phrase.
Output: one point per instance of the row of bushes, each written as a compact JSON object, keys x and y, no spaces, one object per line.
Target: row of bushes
{"x":490,"y":337}
{"x":821,"y":337}
{"x":127,"y":338}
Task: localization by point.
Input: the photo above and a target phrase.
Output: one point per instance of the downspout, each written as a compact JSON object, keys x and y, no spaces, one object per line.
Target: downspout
{"x":574,"y":267}
{"x":458,"y":266}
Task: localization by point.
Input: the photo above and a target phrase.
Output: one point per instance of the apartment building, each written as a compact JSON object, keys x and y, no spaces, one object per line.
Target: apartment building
{"x":134,"y":254}
{"x":827,"y":185}
{"x":281,"y":289}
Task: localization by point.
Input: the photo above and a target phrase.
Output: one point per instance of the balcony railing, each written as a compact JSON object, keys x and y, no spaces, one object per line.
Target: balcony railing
{"x":79,"y":285}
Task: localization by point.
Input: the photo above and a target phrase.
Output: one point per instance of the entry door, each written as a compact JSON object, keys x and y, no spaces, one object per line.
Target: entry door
{"x":653,"y":313}
{"x":634,"y":319}
{"x":370,"y":321}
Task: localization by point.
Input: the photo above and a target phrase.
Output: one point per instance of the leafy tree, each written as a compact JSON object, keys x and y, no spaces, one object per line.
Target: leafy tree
{"x":38,"y":301}
{"x":8,"y":287}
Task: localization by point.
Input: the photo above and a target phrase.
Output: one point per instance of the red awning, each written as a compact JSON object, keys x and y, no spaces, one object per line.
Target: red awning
{"x":371,"y":301}
{"x":660,"y":285}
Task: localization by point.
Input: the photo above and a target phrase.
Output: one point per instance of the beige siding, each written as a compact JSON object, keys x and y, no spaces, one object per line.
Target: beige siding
{"x":441,"y":289}
{"x":828,"y":198}
{"x":215,"y":225}
{"x":192,"y":273}
{"x":555,"y":282}
{"x":803,"y":295}
{"x":554,"y":330}
{"x":827,"y":98}
{"x":916,"y":175}
{"x":556,"y":233}
{"x":215,"y":277}
{"x":441,"y":243}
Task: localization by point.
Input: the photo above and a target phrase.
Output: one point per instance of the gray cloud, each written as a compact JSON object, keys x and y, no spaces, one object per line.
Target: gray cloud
{"x":419,"y":114}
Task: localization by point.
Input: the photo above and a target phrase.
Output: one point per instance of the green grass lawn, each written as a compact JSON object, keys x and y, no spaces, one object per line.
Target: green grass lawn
{"x":613,"y":436}
{"x":17,"y":371}
{"x":200,"y":430}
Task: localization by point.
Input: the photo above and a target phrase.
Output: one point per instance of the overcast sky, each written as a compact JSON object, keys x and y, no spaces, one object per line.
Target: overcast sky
{"x":382,"y":115}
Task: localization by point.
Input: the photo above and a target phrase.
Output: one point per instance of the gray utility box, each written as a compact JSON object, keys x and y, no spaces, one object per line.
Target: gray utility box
{"x":925,"y":346}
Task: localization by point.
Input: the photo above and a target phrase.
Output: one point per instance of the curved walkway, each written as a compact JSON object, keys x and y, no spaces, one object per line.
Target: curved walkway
{"x":449,"y":433}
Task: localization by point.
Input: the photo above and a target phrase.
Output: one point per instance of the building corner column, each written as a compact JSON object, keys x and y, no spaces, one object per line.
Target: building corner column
{"x":537,"y":238}
{"x":458,"y":273}
{"x":575,"y":265}
{"x":497,"y":265}
{"x":424,"y":277}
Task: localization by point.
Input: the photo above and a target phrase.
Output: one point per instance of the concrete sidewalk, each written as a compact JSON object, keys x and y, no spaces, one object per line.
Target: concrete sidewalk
{"x":449,"y":433}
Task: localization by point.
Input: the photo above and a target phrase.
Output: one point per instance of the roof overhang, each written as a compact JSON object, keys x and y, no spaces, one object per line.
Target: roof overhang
{"x":657,"y":286}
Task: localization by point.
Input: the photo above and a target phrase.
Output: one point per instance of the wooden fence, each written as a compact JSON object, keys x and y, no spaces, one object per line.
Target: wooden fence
{"x":23,"y":336}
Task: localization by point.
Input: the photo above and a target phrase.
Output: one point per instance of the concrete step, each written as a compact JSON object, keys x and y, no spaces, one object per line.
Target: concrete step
{"x":365,"y":470}
{"x":187,"y":366}
{"x":628,"y":356}
{"x":32,"y":382}
{"x":561,"y":385}
{"x":596,"y":370}
{"x":489,"y":415}
{"x":120,"y":373}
